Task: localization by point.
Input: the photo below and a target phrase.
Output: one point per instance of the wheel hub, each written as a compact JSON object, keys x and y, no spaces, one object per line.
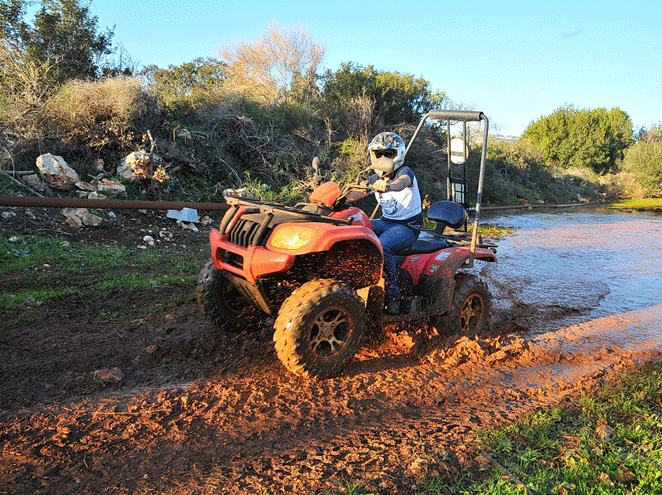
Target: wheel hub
{"x":329,"y":331}
{"x":472,"y":311}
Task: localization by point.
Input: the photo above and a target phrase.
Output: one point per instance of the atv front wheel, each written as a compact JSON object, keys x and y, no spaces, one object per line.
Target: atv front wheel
{"x":319,"y":328}
{"x":470,"y":310}
{"x":222,"y":303}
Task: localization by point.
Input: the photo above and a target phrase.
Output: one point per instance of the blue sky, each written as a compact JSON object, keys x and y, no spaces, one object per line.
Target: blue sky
{"x":515,"y":61}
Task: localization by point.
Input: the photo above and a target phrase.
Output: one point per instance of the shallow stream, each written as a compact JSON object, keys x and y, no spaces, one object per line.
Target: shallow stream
{"x":565,"y":267}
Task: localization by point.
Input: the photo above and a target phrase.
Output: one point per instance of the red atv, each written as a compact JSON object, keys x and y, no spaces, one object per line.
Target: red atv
{"x":317,"y":267}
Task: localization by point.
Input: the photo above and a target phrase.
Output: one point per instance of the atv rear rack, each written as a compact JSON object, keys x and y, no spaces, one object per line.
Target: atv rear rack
{"x":461,"y":116}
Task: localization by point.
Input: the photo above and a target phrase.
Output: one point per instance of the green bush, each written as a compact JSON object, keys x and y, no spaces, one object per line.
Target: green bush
{"x":592,"y":139}
{"x":644,"y":160}
{"x":516,"y":172}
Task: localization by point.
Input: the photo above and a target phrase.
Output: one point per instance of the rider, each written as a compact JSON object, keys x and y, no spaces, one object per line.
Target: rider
{"x":396,"y":190}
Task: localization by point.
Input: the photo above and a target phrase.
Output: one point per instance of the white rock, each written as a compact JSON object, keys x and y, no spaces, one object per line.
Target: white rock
{"x":34,"y":182}
{"x":188,"y":226}
{"x":164,"y":234}
{"x":242,"y":192}
{"x":56,"y":172}
{"x":95,"y":195}
{"x":74,"y":221}
{"x":31,"y":302}
{"x":112,"y":187}
{"x":103,"y":186}
{"x":137,"y":165}
{"x":149,"y":240}
{"x":77,"y":217}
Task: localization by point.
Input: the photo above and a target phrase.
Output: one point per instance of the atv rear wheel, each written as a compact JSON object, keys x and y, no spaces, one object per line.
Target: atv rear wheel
{"x":470,"y":310}
{"x":222,"y":303}
{"x":319,"y":328}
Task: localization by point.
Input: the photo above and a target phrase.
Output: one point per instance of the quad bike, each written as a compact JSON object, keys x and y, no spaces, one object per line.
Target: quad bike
{"x":317,"y":267}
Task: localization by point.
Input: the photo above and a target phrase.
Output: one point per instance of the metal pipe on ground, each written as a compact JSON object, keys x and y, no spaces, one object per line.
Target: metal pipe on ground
{"x":130,"y":204}
{"x":127,"y":204}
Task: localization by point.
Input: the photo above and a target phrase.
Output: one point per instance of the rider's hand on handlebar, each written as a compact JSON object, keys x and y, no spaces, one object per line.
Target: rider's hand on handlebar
{"x":381,"y":185}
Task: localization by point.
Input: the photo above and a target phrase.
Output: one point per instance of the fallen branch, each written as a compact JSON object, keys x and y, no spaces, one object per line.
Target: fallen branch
{"x":510,"y":475}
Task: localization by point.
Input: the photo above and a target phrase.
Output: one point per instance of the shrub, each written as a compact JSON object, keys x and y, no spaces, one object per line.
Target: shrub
{"x":516,"y":171}
{"x":582,"y":138}
{"x":112,"y":110}
{"x":644,"y":160}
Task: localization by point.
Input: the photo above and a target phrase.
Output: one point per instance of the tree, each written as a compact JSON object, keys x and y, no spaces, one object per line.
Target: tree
{"x":64,"y":30}
{"x":280,"y":65}
{"x":550,"y":134}
{"x":582,"y":138}
{"x":202,"y":76}
{"x":63,"y":34}
{"x":397,"y":97}
{"x":12,"y":25}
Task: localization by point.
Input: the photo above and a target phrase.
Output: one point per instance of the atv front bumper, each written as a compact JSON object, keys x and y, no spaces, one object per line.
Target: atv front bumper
{"x":250,"y":263}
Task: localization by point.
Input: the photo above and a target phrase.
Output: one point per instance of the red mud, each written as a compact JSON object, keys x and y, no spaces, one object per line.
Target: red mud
{"x":201,"y":413}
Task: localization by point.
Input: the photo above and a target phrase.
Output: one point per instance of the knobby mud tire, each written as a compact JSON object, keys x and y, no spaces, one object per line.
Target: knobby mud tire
{"x":470,"y":310}
{"x":319,"y":328}
{"x":222,"y":303}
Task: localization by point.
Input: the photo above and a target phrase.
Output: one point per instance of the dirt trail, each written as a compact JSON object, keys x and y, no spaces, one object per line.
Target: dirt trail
{"x":249,"y":426}
{"x":201,"y":413}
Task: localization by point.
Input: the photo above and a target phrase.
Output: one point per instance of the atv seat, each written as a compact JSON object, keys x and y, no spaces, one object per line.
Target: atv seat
{"x":427,"y":242}
{"x":447,"y":214}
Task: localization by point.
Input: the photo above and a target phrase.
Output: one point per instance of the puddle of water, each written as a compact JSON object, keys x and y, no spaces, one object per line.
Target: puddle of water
{"x":581,"y":264}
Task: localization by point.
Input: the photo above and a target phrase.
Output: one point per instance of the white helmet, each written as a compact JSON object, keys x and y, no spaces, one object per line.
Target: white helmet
{"x":387,"y":153}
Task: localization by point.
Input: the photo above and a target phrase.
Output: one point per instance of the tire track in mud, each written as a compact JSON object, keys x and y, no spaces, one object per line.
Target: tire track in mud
{"x":420,"y":414}
{"x":393,"y":417}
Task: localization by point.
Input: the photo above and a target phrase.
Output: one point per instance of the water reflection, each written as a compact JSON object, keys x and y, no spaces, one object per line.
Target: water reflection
{"x":577,"y":265}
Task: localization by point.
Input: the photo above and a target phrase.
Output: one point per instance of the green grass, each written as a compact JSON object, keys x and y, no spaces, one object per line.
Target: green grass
{"x":638,"y":204}
{"x":49,"y":269}
{"x":608,"y":443}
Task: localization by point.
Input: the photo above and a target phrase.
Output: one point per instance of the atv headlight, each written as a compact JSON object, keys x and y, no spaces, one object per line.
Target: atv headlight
{"x":292,"y":236}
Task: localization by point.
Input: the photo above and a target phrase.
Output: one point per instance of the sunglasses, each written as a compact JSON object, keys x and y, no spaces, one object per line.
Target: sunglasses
{"x":386,"y":153}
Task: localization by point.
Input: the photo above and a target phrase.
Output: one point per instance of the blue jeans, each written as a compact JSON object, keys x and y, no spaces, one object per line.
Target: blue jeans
{"x":394,"y":237}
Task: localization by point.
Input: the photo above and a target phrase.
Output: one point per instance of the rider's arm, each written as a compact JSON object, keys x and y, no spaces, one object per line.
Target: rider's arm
{"x":402,"y":182}
{"x":355,"y":196}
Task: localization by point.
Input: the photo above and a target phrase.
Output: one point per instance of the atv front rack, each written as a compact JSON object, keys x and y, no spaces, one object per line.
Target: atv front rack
{"x":269,"y":210}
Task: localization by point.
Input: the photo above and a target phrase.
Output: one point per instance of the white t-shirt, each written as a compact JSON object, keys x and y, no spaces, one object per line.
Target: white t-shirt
{"x":400,"y":205}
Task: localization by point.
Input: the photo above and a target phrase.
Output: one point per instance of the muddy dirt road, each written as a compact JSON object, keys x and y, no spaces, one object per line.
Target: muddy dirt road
{"x":199,"y":413}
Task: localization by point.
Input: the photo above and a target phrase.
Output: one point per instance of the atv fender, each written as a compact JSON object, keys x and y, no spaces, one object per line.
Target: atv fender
{"x":447,"y":262}
{"x":440,"y":272}
{"x":358,"y":262}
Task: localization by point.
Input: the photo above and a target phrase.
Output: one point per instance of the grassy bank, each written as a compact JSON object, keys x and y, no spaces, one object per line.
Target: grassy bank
{"x":652,"y":204}
{"x":610,"y":443}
